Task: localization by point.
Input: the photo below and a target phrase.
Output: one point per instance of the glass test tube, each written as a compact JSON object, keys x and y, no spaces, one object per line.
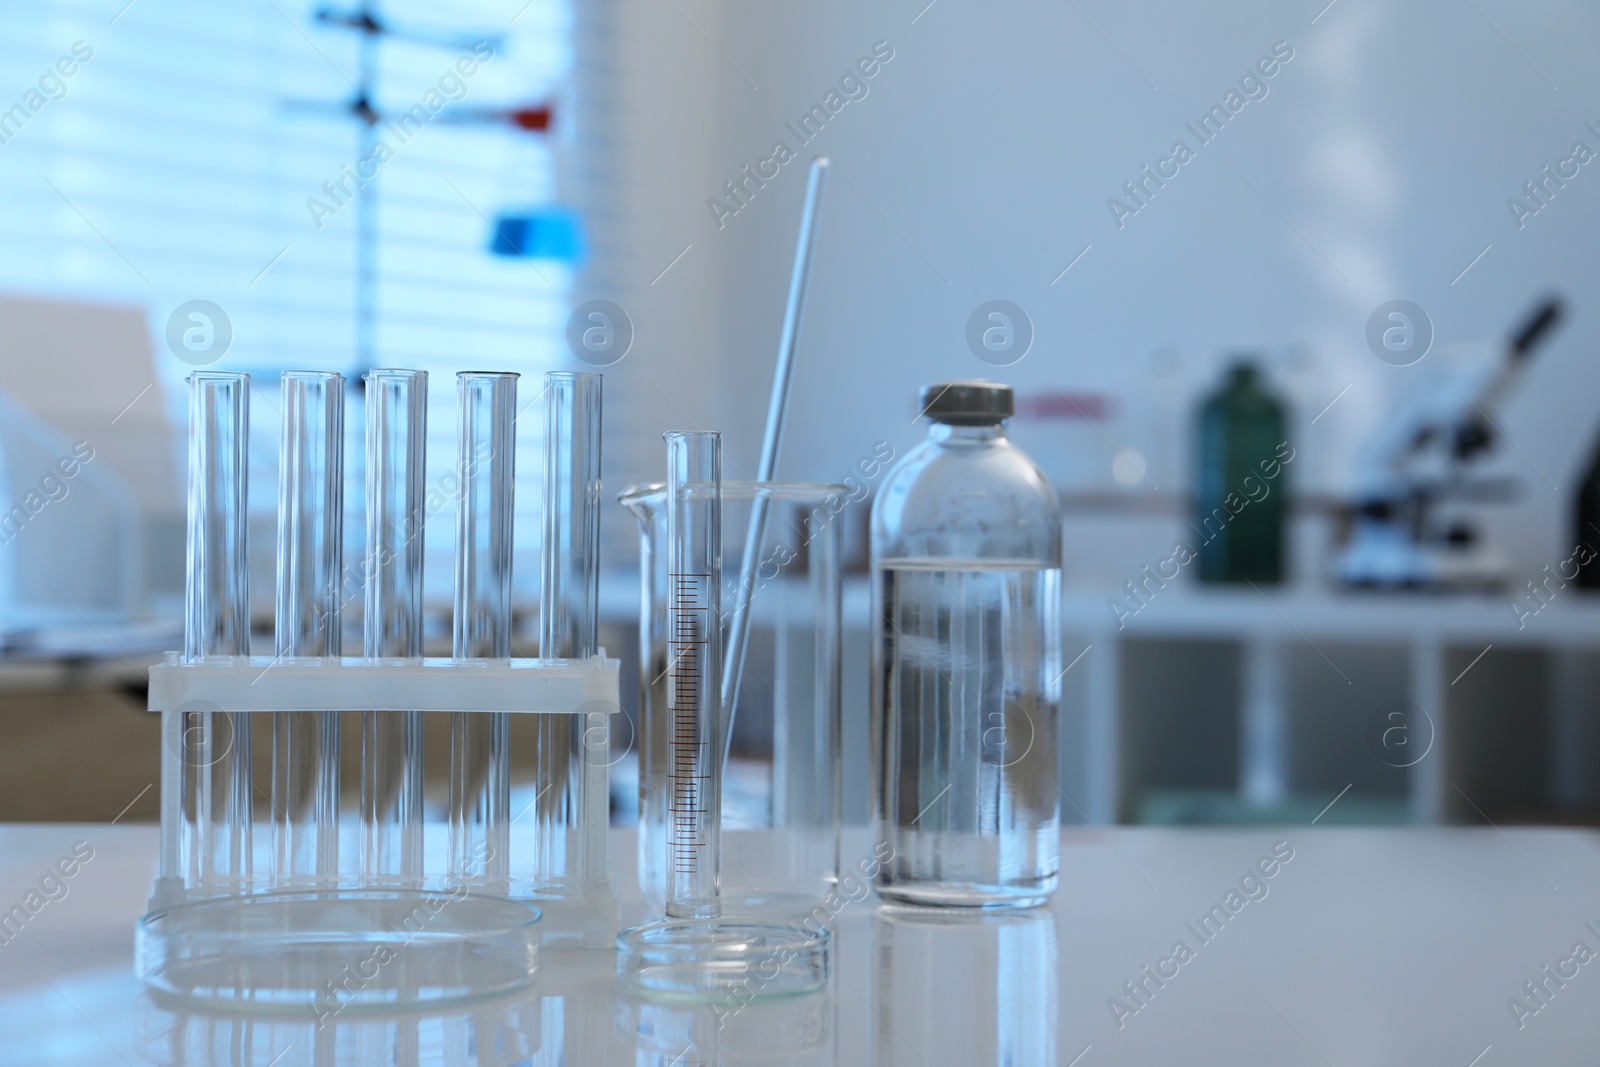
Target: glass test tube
{"x":694,"y":591}
{"x":573,"y":806}
{"x":215,"y":745}
{"x":305,"y":744}
{"x":391,"y":741}
{"x":480,"y":744}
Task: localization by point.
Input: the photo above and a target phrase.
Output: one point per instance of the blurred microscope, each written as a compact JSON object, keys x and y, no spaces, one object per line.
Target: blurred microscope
{"x":1410,"y":525}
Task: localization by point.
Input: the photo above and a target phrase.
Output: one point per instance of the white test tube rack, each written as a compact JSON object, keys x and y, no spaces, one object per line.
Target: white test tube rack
{"x":214,"y":854}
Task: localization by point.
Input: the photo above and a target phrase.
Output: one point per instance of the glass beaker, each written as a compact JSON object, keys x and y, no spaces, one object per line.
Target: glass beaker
{"x":780,"y":787}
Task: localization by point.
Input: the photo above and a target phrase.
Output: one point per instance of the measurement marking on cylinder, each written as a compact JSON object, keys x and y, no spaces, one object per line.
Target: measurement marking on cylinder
{"x":689,"y":606}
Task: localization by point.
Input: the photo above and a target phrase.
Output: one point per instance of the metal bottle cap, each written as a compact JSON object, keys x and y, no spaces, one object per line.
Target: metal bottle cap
{"x":968,"y":402}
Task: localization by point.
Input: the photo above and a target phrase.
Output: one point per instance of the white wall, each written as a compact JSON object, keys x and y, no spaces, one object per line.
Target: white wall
{"x":988,"y":148}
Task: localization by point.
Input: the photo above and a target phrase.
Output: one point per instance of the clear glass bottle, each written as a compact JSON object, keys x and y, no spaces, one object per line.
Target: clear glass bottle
{"x":966,"y":673}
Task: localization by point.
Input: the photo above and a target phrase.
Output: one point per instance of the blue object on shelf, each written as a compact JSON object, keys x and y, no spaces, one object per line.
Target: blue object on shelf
{"x":549,"y":233}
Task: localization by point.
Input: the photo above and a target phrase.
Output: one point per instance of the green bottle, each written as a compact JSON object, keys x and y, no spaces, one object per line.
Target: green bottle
{"x":1241,"y":484}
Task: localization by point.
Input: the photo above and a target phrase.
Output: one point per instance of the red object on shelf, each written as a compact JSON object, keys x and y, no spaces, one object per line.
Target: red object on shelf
{"x":1059,"y":405}
{"x":530,"y":118}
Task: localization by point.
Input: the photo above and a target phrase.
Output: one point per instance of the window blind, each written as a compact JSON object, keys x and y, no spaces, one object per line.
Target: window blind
{"x":204,"y":150}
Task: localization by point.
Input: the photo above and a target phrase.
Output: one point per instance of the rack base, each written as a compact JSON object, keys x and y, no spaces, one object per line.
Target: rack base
{"x":335,"y":951}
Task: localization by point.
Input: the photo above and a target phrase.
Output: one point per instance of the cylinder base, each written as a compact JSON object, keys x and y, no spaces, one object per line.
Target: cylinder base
{"x":712,"y":958}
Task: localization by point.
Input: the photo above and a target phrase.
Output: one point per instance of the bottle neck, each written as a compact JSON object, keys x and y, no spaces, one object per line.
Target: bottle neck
{"x":944,"y":433}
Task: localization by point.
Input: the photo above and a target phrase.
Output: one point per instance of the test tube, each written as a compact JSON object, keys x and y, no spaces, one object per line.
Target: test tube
{"x":305,"y":744}
{"x":570,"y":749}
{"x":694,"y":591}
{"x":391,"y":741}
{"x":480,"y":743}
{"x":214,"y":745}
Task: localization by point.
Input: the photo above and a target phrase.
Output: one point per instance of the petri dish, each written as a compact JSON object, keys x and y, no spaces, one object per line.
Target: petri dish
{"x":339,"y":950}
{"x":724,"y":957}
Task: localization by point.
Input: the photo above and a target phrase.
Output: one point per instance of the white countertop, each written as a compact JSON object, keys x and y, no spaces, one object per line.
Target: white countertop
{"x":1368,"y":947}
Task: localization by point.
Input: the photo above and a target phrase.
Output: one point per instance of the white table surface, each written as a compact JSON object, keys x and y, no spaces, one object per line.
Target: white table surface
{"x":1370,"y":947}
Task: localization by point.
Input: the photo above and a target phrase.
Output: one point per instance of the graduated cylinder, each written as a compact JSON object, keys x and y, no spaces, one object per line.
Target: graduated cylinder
{"x":694,"y":668}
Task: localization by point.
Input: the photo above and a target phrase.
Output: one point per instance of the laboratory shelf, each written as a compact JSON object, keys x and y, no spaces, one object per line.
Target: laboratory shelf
{"x":1453,"y":708}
